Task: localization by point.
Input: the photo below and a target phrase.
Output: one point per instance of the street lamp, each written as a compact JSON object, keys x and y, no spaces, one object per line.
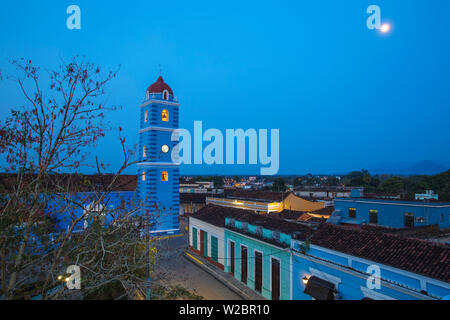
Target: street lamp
{"x":147,"y":252}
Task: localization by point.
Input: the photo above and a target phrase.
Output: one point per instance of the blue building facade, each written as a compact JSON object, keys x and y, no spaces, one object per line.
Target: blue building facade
{"x":263,"y":266}
{"x":391,"y":213}
{"x":283,"y":259}
{"x":65,"y":212}
{"x":348,"y":276}
{"x":158,"y":171}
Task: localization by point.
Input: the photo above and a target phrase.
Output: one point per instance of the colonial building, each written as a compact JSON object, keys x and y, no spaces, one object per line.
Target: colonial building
{"x":265,"y":201}
{"x":158,"y":172}
{"x":391,"y":213}
{"x":283,"y":259}
{"x":342,"y":263}
{"x":192,"y":202}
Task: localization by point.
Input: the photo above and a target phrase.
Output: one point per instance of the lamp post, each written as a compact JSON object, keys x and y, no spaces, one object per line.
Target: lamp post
{"x":147,"y":253}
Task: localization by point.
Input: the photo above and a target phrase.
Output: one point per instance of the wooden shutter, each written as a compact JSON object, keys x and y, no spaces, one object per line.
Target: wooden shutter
{"x":214,"y":249}
{"x":258,"y":271}
{"x":194,"y":238}
{"x":244,"y":265}
{"x":275,"y":279}
{"x":232,"y":257}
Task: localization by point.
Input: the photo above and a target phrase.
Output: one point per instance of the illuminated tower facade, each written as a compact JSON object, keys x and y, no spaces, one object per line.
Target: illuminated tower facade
{"x":158,"y":176}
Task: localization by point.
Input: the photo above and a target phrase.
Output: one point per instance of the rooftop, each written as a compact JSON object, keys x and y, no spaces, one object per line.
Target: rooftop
{"x":194,"y":197}
{"x":418,"y":256}
{"x":216,"y":215}
{"x":159,"y":86}
{"x":429,"y":202}
{"x":400,"y":251}
{"x":263,"y":196}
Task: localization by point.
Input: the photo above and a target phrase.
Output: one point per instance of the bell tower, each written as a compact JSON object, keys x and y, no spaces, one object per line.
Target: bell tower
{"x":158,"y":174}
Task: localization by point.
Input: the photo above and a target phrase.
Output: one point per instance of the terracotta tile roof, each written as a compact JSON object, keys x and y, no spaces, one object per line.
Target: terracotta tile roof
{"x":306,"y":217}
{"x":159,"y":86}
{"x":418,"y":256}
{"x":327,"y":211}
{"x":216,"y":215}
{"x":296,"y":215}
{"x":258,"y":195}
{"x":423,"y":232}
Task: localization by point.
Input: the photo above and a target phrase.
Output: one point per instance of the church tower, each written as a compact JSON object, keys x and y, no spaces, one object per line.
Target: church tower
{"x":158,"y":176}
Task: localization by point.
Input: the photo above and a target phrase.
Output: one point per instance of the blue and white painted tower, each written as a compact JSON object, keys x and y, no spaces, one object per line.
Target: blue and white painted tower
{"x":158,"y":177}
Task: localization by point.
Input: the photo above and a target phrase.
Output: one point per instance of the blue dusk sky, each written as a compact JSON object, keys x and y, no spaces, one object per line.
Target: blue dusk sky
{"x":343,"y":97}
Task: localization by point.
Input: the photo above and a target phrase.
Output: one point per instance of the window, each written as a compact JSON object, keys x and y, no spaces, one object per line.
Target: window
{"x":143,"y":175}
{"x":214,"y":249}
{"x":373,"y":216}
{"x":194,"y":238}
{"x":144,"y":151}
{"x":166,"y":95}
{"x":165,"y":115}
{"x":164,"y":176}
{"x":146,"y":116}
{"x":244,"y":265}
{"x":409,"y":220}
{"x":258,"y":271}
{"x":352,"y":213}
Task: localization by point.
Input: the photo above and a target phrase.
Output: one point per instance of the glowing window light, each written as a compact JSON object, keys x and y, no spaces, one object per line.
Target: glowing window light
{"x":165,"y":115}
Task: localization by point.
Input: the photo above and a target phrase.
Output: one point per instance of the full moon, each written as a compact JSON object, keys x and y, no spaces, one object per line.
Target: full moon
{"x":385,"y":28}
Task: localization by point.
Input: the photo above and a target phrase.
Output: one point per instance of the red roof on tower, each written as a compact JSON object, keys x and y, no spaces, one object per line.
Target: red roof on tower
{"x":159,"y":86}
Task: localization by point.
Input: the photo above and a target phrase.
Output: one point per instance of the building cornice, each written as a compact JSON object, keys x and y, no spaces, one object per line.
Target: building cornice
{"x":168,"y":103}
{"x":157,"y":128}
{"x":394,"y":203}
{"x":157,"y":164}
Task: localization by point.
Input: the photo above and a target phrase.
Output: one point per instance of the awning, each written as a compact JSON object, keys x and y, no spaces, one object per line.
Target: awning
{"x":320,"y":289}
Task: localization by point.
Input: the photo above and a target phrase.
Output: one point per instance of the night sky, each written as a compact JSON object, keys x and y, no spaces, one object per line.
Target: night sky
{"x":343,"y":97}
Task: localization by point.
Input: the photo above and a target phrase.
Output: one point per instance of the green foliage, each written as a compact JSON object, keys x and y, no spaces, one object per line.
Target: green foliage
{"x":392,"y":185}
{"x":279,"y":184}
{"x":405,"y":186}
{"x":362,"y":179}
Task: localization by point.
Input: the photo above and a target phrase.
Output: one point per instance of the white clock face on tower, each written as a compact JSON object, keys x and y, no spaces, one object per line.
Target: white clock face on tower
{"x":165,"y":148}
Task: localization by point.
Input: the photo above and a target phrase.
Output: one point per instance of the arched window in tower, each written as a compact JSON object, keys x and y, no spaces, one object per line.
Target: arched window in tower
{"x":143,"y":175}
{"x":164,"y":176}
{"x":146,"y":116}
{"x":144,"y":152}
{"x":166,"y":95}
{"x":165,"y":115}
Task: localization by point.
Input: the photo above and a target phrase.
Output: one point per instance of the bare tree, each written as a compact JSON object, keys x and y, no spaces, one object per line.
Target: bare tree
{"x":53,"y":133}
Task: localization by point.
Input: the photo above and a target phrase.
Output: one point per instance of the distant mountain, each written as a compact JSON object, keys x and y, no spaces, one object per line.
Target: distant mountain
{"x":425,"y":167}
